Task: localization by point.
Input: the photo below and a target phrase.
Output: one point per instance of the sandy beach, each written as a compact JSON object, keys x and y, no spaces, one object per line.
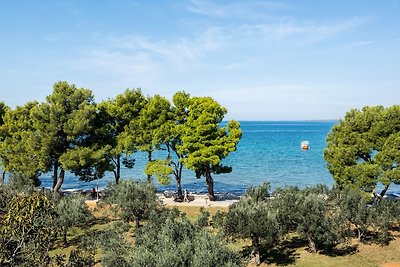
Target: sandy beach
{"x":198,"y":201}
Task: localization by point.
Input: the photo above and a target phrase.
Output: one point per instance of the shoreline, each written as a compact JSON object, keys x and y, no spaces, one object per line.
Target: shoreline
{"x":200,"y":200}
{"x":197,"y":200}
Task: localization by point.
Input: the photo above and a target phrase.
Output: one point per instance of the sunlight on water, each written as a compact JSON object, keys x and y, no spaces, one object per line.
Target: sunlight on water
{"x":268,"y":151}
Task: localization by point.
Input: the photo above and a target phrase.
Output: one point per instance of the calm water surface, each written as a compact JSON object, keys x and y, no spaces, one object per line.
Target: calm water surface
{"x":268,"y":151}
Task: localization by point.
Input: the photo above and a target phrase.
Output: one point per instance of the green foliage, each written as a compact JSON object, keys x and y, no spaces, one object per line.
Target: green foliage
{"x":80,"y":258}
{"x":202,"y":220}
{"x":66,"y":125}
{"x":170,"y":135}
{"x":114,"y":116}
{"x":145,"y":132}
{"x":114,"y":245}
{"x":219,"y":220}
{"x":71,"y":211}
{"x":310,"y":213}
{"x":3,"y":110}
{"x":21,"y":183}
{"x":25,"y":231}
{"x":204,"y":142}
{"x":254,"y":220}
{"x":317,"y":221}
{"x":19,"y":149}
{"x":161,"y":169}
{"x":6,"y":195}
{"x":176,"y":242}
{"x":134,"y":200}
{"x":259,"y":193}
{"x":362,"y":150}
{"x":354,"y":207}
{"x":284,"y":201}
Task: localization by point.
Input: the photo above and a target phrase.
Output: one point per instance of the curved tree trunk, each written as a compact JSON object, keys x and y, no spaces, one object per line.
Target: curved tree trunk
{"x":311,"y":243}
{"x":256,"y":250}
{"x":383,"y":192}
{"x":60,"y":181}
{"x":210,"y":184}
{"x":55,"y":174}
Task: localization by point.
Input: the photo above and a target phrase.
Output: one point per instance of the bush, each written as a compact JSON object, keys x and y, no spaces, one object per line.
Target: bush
{"x":25,"y":231}
{"x":134,"y":200}
{"x":202,"y":220}
{"x":167,"y":239}
{"x":254,"y":220}
{"x":71,"y":211}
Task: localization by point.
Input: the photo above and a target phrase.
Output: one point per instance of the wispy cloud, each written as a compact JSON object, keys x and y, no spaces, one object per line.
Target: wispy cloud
{"x":302,"y":31}
{"x":179,"y":51}
{"x":241,"y":9}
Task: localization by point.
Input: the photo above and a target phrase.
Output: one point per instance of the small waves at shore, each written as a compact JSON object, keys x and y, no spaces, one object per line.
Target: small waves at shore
{"x":268,"y":151}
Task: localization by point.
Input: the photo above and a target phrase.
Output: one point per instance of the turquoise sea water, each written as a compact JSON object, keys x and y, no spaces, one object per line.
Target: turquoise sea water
{"x":268,"y":151}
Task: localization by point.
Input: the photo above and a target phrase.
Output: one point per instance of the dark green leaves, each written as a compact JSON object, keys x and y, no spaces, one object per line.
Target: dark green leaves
{"x":363,"y":149}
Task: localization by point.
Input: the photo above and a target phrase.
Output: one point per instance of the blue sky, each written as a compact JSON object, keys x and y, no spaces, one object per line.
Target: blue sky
{"x":263,"y":60}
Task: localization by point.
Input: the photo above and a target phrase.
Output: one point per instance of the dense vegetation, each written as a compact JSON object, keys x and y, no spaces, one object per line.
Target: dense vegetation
{"x":364,"y":149}
{"x":70,"y":132}
{"x":33,"y":224}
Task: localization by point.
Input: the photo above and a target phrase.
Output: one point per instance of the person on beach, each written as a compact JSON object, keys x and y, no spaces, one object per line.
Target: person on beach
{"x":185,"y":196}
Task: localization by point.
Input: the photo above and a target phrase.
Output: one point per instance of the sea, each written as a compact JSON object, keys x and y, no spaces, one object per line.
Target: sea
{"x":269,"y":151}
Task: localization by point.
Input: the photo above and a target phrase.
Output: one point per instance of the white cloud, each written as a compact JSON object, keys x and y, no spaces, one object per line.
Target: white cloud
{"x":241,"y":9}
{"x":302,"y":31}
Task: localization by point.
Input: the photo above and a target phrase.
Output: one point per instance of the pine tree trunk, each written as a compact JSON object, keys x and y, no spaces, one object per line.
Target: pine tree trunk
{"x":60,"y":181}
{"x":179,"y":179}
{"x":55,"y":174}
{"x":311,"y":243}
{"x":210,"y":185}
{"x":149,"y":160}
{"x":2,"y":177}
{"x":256,"y":250}
{"x":383,"y":192}
{"x":118,"y":173}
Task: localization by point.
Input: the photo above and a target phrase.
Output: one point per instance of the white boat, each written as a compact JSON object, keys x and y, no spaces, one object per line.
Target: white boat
{"x":305,"y":145}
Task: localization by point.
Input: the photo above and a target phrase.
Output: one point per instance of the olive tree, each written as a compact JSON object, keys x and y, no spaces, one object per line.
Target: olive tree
{"x":169,"y":239}
{"x":135,"y":200}
{"x":310,"y":213}
{"x":255,"y":220}
{"x":71,"y":212}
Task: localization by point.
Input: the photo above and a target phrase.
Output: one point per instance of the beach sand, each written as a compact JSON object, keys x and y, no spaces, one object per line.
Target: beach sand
{"x":198,"y":201}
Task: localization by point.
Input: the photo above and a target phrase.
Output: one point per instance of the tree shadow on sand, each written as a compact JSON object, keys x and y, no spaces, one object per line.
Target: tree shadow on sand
{"x":282,"y":253}
{"x":342,"y":250}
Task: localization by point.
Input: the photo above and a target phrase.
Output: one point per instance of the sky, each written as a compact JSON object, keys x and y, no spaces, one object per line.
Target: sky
{"x":262,"y":60}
